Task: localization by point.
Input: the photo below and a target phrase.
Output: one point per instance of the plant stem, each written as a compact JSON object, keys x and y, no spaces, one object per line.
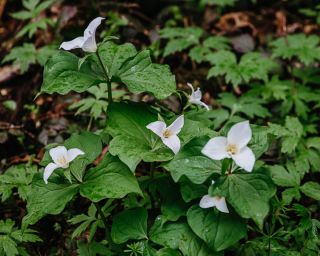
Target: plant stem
{"x":89,"y":124}
{"x":105,"y":223}
{"x":105,"y":71}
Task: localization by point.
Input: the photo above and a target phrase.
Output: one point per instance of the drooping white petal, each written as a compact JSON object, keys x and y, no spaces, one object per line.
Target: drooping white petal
{"x":245,"y":159}
{"x":90,"y":44}
{"x":177,"y":125}
{"x":173,"y":142}
{"x":73,"y":44}
{"x":207,"y":202}
{"x":57,"y":154}
{"x":191,"y":87}
{"x":197,"y":94}
{"x":92,"y":27}
{"x":240,"y":134}
{"x":220,"y":203}
{"x":48,"y":171}
{"x":216,"y":148}
{"x":157,"y":127}
{"x":214,"y":201}
{"x":73,"y":153}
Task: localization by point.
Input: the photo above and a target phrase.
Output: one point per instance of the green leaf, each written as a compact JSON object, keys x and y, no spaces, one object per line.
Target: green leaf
{"x":248,"y":193}
{"x":178,"y":235}
{"x":190,"y":162}
{"x":61,"y":74}
{"x":114,"y":56}
{"x":285,"y":178}
{"x":191,"y":191}
{"x":311,"y":189}
{"x":18,"y":176}
{"x":155,"y":78}
{"x":110,"y":179}
{"x":48,"y":198}
{"x":305,"y":48}
{"x":218,"y":230}
{"x":251,"y":66}
{"x":23,"y":56}
{"x":180,"y":38}
{"x":129,"y":224}
{"x":89,"y":143}
{"x":132,"y":141}
{"x":136,"y":70}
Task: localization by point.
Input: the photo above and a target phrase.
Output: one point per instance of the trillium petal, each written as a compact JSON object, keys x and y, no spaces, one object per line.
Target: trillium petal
{"x":177,"y":125}
{"x":73,"y":153}
{"x":58,"y":153}
{"x":245,"y":159}
{"x":48,"y":171}
{"x":157,"y":127}
{"x":240,"y":134}
{"x":90,"y":44}
{"x":220,"y":203}
{"x":92,"y":27}
{"x":197,"y":94}
{"x":207,"y":202}
{"x":173,"y":142}
{"x":191,"y":87}
{"x":73,"y":44}
{"x":216,"y":148}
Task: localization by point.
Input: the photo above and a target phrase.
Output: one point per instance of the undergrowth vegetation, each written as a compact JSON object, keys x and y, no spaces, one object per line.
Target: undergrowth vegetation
{"x":193,"y":134}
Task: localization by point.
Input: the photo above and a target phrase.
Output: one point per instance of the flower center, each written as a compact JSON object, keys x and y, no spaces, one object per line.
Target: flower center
{"x":232,"y":149}
{"x":167,"y":133}
{"x":63,"y":162}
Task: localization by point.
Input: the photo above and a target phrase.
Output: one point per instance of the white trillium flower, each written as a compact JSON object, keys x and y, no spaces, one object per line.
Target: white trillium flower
{"x":168,"y":135}
{"x":195,"y":97}
{"x":61,"y":158}
{"x":214,"y":201}
{"x":87,"y":42}
{"x":233,"y":146}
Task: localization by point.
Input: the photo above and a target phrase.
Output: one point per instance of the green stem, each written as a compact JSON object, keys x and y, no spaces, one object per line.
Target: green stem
{"x":105,"y":71}
{"x":105,"y":223}
{"x":90,"y":123}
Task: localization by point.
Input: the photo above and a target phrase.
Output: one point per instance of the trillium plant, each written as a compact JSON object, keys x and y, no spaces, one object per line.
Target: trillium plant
{"x":145,"y":171}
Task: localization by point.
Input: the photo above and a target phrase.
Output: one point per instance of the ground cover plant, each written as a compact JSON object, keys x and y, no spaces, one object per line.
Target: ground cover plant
{"x":159,"y":128}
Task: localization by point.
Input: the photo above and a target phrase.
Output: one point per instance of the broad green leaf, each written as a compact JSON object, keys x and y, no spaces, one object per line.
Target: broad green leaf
{"x":129,"y":224}
{"x":61,"y":74}
{"x":154,"y":78}
{"x":48,"y":198}
{"x":190,"y":191}
{"x":89,"y":143}
{"x":190,"y":162}
{"x":248,"y":193}
{"x":114,"y":55}
{"x":172,"y":205}
{"x":311,"y":189}
{"x":136,"y":70}
{"x":132,"y":141}
{"x":219,"y":230}
{"x":167,"y":252}
{"x":110,"y":179}
{"x":178,"y":235}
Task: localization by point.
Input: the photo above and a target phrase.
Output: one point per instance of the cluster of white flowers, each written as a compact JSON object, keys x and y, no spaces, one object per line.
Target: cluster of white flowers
{"x":233,"y":146}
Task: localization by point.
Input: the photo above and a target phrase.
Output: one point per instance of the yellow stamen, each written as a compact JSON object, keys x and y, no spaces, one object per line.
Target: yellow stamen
{"x":167,"y":133}
{"x":232,"y":149}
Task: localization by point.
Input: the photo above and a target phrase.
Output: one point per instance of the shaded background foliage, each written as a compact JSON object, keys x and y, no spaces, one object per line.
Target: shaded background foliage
{"x":253,"y":59}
